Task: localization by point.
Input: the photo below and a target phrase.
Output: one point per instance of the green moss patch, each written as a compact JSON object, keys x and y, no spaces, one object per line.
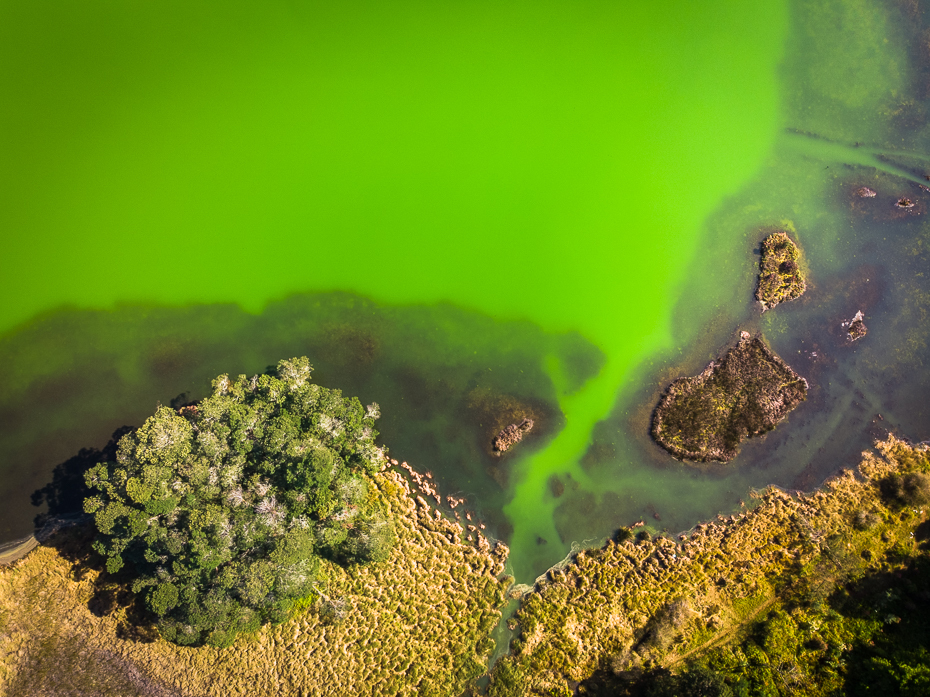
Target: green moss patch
{"x":744,"y":394}
{"x":780,"y":277}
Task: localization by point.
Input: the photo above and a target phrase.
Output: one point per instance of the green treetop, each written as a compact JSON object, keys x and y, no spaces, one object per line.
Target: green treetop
{"x":222,"y":510}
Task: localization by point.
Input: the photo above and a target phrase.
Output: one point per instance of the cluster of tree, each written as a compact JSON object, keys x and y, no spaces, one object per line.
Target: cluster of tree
{"x":869,"y":637}
{"x":222,"y":510}
{"x":848,"y":624}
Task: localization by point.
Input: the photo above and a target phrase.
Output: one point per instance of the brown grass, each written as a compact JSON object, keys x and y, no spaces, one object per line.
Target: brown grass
{"x":418,"y":624}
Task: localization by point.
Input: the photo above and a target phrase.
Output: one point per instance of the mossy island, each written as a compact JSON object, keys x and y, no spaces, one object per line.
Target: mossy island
{"x":744,"y":394}
{"x":780,"y":277}
{"x":855,"y":328}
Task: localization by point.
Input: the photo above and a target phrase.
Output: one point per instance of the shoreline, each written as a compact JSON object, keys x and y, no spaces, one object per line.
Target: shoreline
{"x":11,"y":552}
{"x":728,"y":566}
{"x":602,"y":608}
{"x":16,"y":550}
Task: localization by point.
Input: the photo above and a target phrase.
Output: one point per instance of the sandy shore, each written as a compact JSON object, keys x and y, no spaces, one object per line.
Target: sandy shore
{"x":14,"y":551}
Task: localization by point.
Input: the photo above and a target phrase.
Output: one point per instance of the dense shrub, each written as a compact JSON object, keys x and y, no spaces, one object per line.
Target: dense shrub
{"x":665,"y":625}
{"x":222,"y":510}
{"x":870,"y":638}
{"x":622,"y":535}
{"x":696,"y":682}
{"x":911,"y":489}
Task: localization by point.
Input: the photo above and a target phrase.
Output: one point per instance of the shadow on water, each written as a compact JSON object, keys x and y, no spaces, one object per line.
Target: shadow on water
{"x":447,"y":379}
{"x":64,"y":495}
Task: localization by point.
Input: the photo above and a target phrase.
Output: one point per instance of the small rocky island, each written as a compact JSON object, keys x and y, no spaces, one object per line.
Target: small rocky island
{"x":780,"y":277}
{"x":855,"y":328}
{"x":512,"y":435}
{"x":746,"y":393}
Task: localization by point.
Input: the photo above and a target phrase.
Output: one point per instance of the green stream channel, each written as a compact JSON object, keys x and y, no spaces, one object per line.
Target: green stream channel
{"x":455,"y":208}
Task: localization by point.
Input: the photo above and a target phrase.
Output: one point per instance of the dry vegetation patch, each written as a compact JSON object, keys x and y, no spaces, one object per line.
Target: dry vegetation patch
{"x":417,"y":624}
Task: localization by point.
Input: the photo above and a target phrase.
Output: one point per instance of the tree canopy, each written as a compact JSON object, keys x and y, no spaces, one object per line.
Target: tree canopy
{"x":223,"y":509}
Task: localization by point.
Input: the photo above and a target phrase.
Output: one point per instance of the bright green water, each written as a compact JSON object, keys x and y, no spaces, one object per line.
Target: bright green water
{"x":855,"y":86}
{"x":525,"y":159}
{"x":546,"y":161}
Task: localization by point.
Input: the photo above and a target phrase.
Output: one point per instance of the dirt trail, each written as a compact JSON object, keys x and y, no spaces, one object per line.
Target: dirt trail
{"x":722,"y":637}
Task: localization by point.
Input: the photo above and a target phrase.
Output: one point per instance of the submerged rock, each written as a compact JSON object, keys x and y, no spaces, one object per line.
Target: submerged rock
{"x":492,"y":413}
{"x":512,"y":435}
{"x":855,"y":328}
{"x":885,"y":197}
{"x":780,"y":276}
{"x":746,"y":393}
{"x":904,"y":208}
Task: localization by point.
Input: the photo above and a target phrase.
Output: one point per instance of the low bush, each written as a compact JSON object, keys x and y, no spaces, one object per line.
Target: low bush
{"x":911,"y":489}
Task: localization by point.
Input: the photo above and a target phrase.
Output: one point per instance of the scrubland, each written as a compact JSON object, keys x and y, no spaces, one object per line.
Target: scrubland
{"x":416,"y":624}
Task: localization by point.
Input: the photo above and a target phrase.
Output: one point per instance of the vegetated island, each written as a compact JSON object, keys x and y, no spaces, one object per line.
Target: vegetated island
{"x":780,"y":277}
{"x":855,"y":328}
{"x":745,"y":605}
{"x":744,"y":394}
{"x":511,"y":435}
{"x":263,"y":527}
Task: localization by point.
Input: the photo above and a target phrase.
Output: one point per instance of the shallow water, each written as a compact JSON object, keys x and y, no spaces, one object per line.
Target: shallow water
{"x":585,"y":185}
{"x":435,"y":397}
{"x":850,"y":121}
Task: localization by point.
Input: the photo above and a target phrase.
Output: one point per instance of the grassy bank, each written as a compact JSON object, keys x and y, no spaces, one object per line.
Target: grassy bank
{"x":638,"y":604}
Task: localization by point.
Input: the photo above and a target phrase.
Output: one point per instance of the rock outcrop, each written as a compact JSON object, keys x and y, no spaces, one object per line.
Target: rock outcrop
{"x":855,"y":328}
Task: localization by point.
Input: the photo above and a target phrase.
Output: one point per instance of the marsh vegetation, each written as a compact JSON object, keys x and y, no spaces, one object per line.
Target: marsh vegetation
{"x":779,"y":600}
